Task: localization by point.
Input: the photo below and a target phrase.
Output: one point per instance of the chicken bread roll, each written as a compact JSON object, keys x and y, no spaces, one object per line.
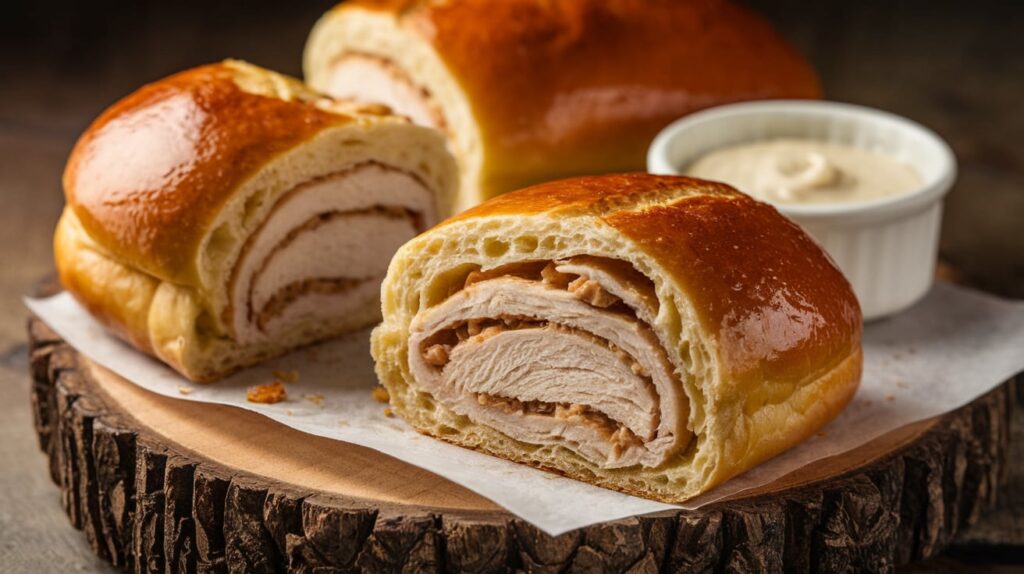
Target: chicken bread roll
{"x":651,"y":334}
{"x":228,"y":214}
{"x":529,"y":90}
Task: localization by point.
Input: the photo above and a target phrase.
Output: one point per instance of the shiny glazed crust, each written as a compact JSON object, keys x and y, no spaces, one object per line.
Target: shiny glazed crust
{"x":538,"y":90}
{"x":164,"y":189}
{"x":763,"y":329}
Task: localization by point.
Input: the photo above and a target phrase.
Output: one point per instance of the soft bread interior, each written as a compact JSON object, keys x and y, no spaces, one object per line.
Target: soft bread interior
{"x":541,"y":339}
{"x":365,"y":55}
{"x":170,"y":321}
{"x":330,"y":159}
{"x":296,"y":256}
{"x":428,"y":277}
{"x":326,"y":242}
{"x":299,"y":252}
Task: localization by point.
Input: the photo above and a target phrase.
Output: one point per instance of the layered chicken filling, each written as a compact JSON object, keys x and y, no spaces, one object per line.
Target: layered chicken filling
{"x":376,"y":79}
{"x":557,"y":353}
{"x":324,"y":249}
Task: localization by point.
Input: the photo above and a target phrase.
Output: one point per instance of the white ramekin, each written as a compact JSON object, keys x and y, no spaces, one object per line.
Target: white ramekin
{"x":887,"y":248}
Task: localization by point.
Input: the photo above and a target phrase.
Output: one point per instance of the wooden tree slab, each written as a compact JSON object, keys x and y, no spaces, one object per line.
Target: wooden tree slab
{"x":160,"y":485}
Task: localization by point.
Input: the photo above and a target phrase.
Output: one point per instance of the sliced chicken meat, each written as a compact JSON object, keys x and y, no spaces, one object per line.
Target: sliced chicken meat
{"x":374,"y":79}
{"x":557,"y":353}
{"x":325,"y":247}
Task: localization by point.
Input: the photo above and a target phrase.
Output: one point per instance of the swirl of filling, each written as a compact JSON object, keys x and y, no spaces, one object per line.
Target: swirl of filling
{"x":557,"y":353}
{"x":369,"y":78}
{"x":324,"y":248}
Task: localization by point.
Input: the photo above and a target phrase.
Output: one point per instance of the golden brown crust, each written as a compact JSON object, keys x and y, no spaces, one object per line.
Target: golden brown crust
{"x":118,"y":296}
{"x":267,"y":394}
{"x":154,"y":169}
{"x":590,"y":82}
{"x":780,"y":427}
{"x":777,"y":305}
{"x":780,"y":308}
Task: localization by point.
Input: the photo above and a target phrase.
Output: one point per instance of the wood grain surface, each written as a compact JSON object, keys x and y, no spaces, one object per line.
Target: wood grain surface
{"x":160,"y":484}
{"x":954,"y":66}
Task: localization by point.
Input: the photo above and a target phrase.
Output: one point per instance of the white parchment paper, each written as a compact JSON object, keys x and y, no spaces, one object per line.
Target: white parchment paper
{"x":951,"y":348}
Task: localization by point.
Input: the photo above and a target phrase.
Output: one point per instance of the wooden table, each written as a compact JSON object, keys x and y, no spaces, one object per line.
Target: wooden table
{"x":957,"y":68}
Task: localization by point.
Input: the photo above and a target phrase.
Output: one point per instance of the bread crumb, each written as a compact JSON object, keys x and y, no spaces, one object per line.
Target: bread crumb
{"x":290,"y":413}
{"x":380,"y":394}
{"x":343,"y":423}
{"x":286,"y":376}
{"x":890,"y":398}
{"x":267,"y":394}
{"x":184,"y":390}
{"x":389,"y":413}
{"x":316,"y":399}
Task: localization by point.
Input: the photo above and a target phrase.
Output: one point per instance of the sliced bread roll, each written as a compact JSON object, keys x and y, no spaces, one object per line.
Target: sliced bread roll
{"x":530,"y":90}
{"x":652,"y":334}
{"x":228,"y":214}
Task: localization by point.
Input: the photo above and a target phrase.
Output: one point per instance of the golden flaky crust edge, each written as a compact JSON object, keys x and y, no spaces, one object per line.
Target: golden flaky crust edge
{"x":736,"y":432}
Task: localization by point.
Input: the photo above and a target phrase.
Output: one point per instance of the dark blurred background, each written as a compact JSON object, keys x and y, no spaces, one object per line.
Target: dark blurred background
{"x":957,"y":67}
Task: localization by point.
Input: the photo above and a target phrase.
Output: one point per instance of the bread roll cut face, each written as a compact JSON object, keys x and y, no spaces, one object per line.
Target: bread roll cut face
{"x":565,"y":360}
{"x":655,"y":335}
{"x":324,"y":249}
{"x":368,"y":78}
{"x":242,"y":214}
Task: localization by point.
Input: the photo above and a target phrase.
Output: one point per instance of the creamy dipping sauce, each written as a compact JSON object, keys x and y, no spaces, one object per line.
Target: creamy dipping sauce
{"x":807,"y":171}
